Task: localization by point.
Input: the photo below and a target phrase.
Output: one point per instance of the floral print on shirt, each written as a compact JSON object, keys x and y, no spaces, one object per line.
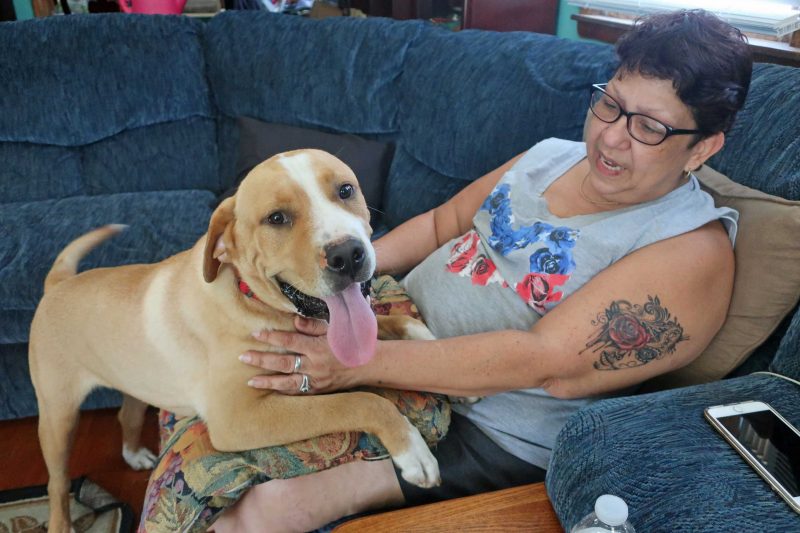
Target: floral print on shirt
{"x":551,"y":261}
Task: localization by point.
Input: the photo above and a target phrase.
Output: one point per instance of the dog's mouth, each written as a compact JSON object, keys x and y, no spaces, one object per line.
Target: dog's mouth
{"x":311,"y":306}
{"x":352,"y":327}
{"x":307,"y":306}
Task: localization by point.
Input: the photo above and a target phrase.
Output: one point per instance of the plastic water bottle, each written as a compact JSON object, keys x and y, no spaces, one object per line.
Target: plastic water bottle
{"x":610,"y":515}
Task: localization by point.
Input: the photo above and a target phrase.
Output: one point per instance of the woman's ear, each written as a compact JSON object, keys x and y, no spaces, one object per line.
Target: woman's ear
{"x":704,"y":149}
{"x":217,"y":250}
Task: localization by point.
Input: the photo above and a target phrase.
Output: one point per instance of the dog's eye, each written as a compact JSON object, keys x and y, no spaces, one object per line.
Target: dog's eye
{"x":277,"y":218}
{"x":346,"y":191}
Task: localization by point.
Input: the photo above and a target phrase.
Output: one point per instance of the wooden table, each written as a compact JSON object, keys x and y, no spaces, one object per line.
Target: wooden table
{"x":524,"y":508}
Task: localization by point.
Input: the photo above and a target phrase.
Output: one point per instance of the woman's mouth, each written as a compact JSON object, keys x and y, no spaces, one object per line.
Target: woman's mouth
{"x":608,"y":166}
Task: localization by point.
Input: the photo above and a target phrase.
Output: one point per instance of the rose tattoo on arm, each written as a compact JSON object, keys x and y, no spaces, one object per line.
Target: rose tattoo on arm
{"x":630,"y":335}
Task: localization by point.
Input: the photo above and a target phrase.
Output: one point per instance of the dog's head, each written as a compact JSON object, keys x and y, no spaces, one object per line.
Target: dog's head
{"x":298,"y":233}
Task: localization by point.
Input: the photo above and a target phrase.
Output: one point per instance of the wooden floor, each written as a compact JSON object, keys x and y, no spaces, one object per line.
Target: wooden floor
{"x":97,"y":454}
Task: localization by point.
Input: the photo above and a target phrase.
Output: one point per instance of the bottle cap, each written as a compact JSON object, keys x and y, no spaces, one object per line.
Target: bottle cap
{"x":611,"y":509}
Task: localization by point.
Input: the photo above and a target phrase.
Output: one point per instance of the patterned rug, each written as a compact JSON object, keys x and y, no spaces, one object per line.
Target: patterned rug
{"x":93,"y":510}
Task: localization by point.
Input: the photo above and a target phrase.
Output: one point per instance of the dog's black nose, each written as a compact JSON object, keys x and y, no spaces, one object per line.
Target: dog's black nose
{"x":346,"y":258}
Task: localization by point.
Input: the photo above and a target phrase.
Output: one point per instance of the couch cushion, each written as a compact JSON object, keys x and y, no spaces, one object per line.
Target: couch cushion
{"x":75,"y":81}
{"x":762,"y":149}
{"x":35,"y":172}
{"x":766,"y":284}
{"x":787,"y":358}
{"x":522,"y":88}
{"x":472,"y":100}
{"x":161,"y":157}
{"x":161,"y":224}
{"x":413,"y":188}
{"x":676,"y":473}
{"x":339,"y":73}
{"x":368,"y":159}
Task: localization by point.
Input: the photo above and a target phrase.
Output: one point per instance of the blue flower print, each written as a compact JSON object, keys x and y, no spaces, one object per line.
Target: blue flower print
{"x":505,"y":239}
{"x":498,"y":200}
{"x":498,"y":204}
{"x":545,"y":261}
{"x":530,"y":234}
{"x":562,"y":238}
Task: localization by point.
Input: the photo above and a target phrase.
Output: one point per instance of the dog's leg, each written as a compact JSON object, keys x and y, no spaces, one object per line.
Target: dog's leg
{"x":397,"y":327}
{"x":281,"y":419}
{"x":131,"y":418}
{"x":56,"y":434}
{"x":59,"y":393}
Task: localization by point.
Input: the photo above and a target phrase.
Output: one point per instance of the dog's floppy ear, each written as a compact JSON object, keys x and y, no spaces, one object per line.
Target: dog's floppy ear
{"x":220,"y":221}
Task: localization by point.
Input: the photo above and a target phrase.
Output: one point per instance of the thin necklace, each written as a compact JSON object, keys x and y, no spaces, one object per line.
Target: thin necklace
{"x":595,"y":202}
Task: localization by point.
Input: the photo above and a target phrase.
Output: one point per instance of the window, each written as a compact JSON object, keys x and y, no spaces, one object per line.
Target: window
{"x":772,"y":18}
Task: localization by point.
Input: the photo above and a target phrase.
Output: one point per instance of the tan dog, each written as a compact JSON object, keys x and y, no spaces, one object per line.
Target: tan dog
{"x":169,"y":334}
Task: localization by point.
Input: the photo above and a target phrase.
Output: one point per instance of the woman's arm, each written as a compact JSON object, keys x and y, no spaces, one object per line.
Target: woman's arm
{"x":409,"y":244}
{"x":654,"y":311}
{"x":651,"y":312}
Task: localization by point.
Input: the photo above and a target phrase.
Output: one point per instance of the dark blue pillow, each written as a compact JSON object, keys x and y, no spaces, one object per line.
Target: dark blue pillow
{"x":369,"y":160}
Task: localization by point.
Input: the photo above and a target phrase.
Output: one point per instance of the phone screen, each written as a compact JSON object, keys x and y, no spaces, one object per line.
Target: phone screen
{"x":770,"y":441}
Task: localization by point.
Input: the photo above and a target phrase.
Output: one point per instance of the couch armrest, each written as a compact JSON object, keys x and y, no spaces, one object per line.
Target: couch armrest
{"x":658,"y":453}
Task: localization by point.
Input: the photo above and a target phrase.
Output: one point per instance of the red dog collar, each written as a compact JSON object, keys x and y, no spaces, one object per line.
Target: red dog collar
{"x":245,"y":289}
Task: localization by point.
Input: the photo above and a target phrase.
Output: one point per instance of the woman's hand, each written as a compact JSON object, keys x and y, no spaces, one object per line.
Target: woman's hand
{"x":316,"y":360}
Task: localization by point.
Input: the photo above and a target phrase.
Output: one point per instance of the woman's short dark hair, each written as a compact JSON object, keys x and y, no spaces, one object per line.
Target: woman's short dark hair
{"x":708,"y":61}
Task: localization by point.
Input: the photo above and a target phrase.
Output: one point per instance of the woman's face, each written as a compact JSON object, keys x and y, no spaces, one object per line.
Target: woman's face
{"x":625,"y":170}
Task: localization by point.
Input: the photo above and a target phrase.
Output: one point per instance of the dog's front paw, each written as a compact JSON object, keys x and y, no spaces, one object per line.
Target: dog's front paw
{"x":417,"y":464}
{"x":141,"y":459}
{"x":465,"y":400}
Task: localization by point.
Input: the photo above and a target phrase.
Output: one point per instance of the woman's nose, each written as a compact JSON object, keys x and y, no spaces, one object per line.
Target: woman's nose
{"x":616,"y":135}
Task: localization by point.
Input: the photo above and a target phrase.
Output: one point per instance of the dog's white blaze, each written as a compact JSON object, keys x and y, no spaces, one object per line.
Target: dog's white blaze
{"x":330,"y":221}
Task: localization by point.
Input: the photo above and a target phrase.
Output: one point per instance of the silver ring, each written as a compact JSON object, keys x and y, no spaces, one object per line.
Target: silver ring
{"x":304,"y":387}
{"x":297,"y":364}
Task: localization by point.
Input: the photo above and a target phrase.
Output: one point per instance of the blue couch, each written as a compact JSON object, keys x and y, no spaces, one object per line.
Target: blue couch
{"x":132,"y":119}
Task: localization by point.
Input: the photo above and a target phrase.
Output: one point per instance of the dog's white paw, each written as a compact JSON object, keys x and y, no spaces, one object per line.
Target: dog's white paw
{"x":466,"y":400}
{"x":417,"y":464}
{"x":419,"y":331}
{"x":141,"y":459}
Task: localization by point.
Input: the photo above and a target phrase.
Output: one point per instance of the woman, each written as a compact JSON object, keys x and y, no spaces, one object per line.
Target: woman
{"x":573,"y":271}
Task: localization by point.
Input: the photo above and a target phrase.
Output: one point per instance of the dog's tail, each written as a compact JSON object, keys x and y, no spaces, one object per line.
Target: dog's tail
{"x":66,"y":264}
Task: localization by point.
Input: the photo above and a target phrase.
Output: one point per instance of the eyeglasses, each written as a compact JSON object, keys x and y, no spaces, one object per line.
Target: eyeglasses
{"x":644,"y":129}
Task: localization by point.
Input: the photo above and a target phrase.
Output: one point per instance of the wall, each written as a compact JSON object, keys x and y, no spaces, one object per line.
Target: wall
{"x":565,"y":26}
{"x":23,"y":9}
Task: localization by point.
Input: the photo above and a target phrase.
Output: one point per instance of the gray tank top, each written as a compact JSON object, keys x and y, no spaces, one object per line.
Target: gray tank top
{"x":519,"y":261}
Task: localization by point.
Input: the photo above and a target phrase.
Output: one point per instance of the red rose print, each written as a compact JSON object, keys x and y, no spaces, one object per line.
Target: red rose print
{"x":627,"y":332}
{"x":537,"y":289}
{"x":462,"y":252}
{"x":482,"y":270}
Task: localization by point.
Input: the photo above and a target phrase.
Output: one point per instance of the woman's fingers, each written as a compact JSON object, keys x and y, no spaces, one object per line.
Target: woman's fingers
{"x":289,"y":340}
{"x":311,"y":326}
{"x":283,"y":383}
{"x":283,"y":363}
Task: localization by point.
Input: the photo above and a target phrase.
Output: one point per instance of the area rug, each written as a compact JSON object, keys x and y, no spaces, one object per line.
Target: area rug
{"x":93,"y":510}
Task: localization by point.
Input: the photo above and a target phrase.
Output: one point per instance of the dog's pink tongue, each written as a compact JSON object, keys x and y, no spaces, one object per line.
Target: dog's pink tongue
{"x":353,"y":329}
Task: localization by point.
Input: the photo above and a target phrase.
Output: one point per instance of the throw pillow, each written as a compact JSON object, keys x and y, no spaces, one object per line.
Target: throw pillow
{"x":368,"y":159}
{"x":766,"y":284}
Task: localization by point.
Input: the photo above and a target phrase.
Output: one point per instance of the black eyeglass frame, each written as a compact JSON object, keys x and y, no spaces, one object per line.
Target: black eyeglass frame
{"x":670,"y":130}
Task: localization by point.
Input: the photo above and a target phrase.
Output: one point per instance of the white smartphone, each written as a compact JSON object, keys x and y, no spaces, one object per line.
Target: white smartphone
{"x":766,"y":440}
